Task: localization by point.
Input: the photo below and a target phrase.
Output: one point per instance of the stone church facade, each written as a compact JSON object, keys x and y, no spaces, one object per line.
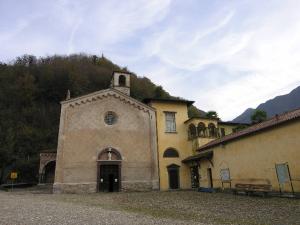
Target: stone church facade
{"x":107,"y":142}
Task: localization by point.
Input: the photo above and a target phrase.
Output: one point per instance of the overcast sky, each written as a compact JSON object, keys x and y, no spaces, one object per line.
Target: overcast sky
{"x":225,"y":55}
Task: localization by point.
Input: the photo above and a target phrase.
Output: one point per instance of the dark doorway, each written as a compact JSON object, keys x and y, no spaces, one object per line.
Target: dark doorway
{"x":209,"y":178}
{"x":173,"y":171}
{"x":122,"y":80}
{"x":109,"y":178}
{"x":195,"y":177}
{"x":49,"y":172}
{"x":111,"y":183}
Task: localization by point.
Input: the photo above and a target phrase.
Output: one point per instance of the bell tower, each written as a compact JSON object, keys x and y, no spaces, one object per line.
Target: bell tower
{"x":121,"y":82}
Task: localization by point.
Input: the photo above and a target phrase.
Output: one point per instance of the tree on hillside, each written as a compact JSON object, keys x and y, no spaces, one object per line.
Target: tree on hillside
{"x":212,"y":115}
{"x":159,"y":92}
{"x":258,"y":116}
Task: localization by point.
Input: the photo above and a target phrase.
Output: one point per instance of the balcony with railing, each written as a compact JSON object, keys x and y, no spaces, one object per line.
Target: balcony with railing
{"x":201,"y":134}
{"x":201,"y":131}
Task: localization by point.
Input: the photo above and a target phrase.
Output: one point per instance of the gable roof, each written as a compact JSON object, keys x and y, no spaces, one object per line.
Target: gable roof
{"x":271,"y":123}
{"x":106,"y":93}
{"x":147,"y":100}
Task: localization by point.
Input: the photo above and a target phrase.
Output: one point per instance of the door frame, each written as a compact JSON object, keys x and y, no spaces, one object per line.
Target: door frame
{"x":176,"y":168}
{"x":210,"y":178}
{"x":108,"y":162}
{"x":192,"y":170}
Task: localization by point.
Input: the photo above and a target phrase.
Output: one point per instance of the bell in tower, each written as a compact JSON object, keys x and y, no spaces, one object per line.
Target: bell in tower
{"x":121,"y":82}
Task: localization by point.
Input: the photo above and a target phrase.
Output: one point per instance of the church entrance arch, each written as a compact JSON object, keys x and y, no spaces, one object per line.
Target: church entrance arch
{"x":47,"y":167}
{"x":109,"y":170}
{"x":49,"y":172}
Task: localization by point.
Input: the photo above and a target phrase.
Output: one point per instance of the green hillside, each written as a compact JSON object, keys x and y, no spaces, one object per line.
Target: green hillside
{"x":30,"y":93}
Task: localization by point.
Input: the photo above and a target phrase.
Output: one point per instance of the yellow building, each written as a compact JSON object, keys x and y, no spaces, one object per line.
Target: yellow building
{"x":263,"y":154}
{"x":226,"y":128}
{"x":172,"y":142}
{"x":177,"y":138}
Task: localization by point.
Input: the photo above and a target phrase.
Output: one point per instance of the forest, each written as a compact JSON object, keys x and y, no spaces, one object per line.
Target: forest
{"x":31,"y":90}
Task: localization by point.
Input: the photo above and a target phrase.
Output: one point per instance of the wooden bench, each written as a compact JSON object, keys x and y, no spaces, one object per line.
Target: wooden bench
{"x":253,"y":188}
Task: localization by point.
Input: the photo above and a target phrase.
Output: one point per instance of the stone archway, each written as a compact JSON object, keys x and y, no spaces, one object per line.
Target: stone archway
{"x":49,"y":172}
{"x":47,"y":166}
{"x":109,"y":170}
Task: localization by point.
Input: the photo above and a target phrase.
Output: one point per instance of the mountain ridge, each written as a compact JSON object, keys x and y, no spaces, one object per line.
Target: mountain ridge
{"x":276,"y":105}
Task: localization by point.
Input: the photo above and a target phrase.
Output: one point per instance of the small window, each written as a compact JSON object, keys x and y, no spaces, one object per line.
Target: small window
{"x":170,"y":122}
{"x":122,"y":80}
{"x":110,"y":118}
{"x":171,"y":153}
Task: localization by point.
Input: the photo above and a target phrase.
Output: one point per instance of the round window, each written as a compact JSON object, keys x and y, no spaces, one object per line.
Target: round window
{"x":110,"y":118}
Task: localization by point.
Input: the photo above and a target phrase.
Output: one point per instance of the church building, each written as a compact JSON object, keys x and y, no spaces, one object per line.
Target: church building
{"x":109,"y":141}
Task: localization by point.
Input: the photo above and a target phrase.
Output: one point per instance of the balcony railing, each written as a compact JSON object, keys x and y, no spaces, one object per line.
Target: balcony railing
{"x":205,"y":133}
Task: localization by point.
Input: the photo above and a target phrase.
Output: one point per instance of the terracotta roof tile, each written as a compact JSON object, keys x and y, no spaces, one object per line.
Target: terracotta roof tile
{"x":276,"y":120}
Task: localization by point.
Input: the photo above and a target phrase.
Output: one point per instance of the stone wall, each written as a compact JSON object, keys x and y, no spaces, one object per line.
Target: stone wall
{"x":78,"y":188}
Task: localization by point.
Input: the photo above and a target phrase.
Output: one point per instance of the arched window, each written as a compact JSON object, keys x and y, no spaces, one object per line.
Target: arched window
{"x":201,"y":129}
{"x":171,"y":153}
{"x":212,"y":130}
{"x":192,"y":131}
{"x":122,"y":80}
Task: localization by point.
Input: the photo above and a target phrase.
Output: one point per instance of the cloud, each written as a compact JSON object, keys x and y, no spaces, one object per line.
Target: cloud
{"x":66,"y":26}
{"x":226,"y":57}
{"x":192,"y":46}
{"x":111,"y":22}
{"x":72,"y":35}
{"x":241,"y":61}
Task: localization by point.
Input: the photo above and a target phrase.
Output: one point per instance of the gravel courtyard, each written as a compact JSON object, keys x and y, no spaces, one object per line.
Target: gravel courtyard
{"x":181,"y":207}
